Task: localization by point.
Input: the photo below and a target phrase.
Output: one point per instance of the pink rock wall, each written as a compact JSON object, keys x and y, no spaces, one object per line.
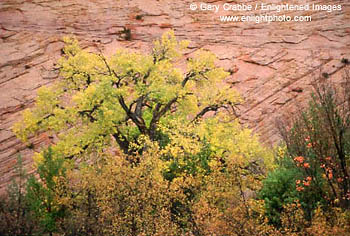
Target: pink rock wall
{"x":274,"y":63}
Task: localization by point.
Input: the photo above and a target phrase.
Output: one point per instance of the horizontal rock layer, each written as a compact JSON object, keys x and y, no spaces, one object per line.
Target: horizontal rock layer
{"x":273,"y":63}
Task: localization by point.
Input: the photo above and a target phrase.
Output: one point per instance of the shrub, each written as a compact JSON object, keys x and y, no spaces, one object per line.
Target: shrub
{"x":287,"y":184}
{"x":313,"y":170}
{"x":319,"y":141}
{"x":16,"y":219}
{"x":41,"y":194}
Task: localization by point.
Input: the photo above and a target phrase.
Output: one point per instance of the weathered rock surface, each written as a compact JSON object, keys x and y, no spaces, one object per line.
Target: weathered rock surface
{"x":274,"y":63}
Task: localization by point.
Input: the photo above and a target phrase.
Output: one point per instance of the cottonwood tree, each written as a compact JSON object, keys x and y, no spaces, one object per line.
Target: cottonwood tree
{"x":177,"y":121}
{"x":129,"y":95}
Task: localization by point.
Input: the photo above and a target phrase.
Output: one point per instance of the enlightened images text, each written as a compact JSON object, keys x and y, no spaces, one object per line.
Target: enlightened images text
{"x":268,"y":7}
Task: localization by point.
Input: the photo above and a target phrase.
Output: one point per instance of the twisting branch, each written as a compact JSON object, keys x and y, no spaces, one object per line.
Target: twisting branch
{"x":110,"y":71}
{"x":192,"y":74}
{"x":139,"y":122}
{"x":215,"y":108}
{"x":88,"y":113}
{"x":139,"y":105}
{"x":206,"y":110}
{"x":188,"y":76}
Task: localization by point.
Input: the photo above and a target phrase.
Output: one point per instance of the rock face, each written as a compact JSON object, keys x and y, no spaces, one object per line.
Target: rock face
{"x":273,"y":63}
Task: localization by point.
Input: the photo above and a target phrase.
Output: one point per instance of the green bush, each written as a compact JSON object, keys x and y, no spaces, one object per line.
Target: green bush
{"x":282,"y":187}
